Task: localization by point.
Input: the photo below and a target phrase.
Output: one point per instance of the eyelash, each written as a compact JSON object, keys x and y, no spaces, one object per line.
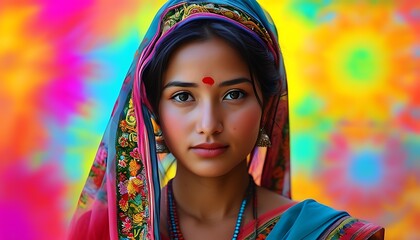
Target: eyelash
{"x":242,"y":94}
{"x":176,"y":97}
{"x":190,"y":98}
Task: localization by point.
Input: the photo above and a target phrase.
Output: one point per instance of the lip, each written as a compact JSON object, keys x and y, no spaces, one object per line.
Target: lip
{"x":209,"y":150}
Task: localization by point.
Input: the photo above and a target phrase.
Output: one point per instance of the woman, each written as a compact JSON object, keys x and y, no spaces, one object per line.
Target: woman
{"x":207,"y":87}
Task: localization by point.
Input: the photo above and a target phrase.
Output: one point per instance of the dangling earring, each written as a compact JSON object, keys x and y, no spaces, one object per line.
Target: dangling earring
{"x":160,"y":142}
{"x":263,"y":139}
{"x":160,"y":145}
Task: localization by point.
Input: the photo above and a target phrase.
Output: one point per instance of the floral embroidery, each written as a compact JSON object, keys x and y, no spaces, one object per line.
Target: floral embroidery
{"x":122,"y":187}
{"x":133,"y":205}
{"x":83,"y":200}
{"x":97,"y":172}
{"x":123,"y":203}
{"x":95,"y":178}
{"x":134,"y":166}
{"x":101,"y":155}
{"x":134,"y":185}
{"x":138,"y":218}
{"x":123,"y":141}
{"x":126,"y":225}
{"x":123,"y":126}
{"x":135,"y":153}
{"x":122,"y":163}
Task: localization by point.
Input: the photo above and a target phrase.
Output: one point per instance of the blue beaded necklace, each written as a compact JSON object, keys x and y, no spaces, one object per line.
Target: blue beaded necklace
{"x":173,"y":221}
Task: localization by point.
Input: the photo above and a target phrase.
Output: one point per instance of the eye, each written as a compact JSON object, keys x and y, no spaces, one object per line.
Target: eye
{"x":182,"y":97}
{"x":234,"y":94}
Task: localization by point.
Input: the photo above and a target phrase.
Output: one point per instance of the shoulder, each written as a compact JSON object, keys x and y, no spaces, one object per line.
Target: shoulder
{"x":270,"y":201}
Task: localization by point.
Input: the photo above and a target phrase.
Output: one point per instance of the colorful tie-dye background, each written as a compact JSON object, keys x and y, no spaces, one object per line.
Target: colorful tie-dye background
{"x":353,"y":69}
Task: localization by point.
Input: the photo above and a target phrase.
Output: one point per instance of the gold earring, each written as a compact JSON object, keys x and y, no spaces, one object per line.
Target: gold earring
{"x":160,"y":145}
{"x":160,"y":142}
{"x":263,"y":139}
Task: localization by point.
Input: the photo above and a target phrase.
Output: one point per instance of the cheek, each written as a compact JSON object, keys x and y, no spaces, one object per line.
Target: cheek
{"x":246,"y":123}
{"x":172,"y":123}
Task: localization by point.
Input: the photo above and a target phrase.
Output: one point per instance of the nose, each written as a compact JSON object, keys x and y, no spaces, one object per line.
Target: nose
{"x":209,"y":119}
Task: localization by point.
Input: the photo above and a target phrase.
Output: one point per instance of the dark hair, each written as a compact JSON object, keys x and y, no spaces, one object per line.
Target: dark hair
{"x":255,"y":53}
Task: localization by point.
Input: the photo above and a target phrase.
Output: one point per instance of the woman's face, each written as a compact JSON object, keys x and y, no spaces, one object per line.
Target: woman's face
{"x":209,"y":114}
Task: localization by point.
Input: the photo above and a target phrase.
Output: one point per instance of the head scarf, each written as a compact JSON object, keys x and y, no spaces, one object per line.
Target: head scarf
{"x":121,"y":197}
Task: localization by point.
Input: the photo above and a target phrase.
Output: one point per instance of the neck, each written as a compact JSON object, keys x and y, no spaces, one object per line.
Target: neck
{"x":210,"y":198}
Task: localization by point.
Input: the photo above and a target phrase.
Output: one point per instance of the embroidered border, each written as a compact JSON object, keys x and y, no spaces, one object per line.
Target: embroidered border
{"x":133,"y":206}
{"x":264,"y":230}
{"x":184,"y":11}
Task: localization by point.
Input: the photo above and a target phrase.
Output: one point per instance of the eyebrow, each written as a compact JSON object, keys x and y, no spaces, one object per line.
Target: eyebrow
{"x":235,"y":81}
{"x":222,"y":84}
{"x":180,"y":84}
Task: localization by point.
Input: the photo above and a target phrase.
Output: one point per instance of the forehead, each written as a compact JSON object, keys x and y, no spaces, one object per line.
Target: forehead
{"x":213,"y":58}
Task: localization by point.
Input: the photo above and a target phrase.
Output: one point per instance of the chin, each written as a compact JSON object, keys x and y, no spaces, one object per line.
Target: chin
{"x":211,"y":174}
{"x":213,"y":170}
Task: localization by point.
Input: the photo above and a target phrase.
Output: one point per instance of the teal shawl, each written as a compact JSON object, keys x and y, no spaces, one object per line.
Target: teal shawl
{"x":312,"y":220}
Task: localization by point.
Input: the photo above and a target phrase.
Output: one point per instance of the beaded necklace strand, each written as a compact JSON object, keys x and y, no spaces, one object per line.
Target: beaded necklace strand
{"x":173,"y":220}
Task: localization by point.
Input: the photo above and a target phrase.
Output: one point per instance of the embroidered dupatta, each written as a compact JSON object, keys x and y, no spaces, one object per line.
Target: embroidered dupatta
{"x":121,"y":197}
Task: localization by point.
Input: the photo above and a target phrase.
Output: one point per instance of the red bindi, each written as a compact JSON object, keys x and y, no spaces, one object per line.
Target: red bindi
{"x":208,"y":81}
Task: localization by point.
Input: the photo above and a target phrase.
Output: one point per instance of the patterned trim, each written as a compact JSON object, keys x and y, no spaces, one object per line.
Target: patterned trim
{"x":350,"y":228}
{"x":267,"y":221}
{"x":186,"y":10}
{"x":133,"y":206}
{"x":96,"y":179}
{"x":264,"y":229}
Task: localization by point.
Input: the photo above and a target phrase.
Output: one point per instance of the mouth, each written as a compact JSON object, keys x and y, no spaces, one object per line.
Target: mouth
{"x":209,"y":150}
